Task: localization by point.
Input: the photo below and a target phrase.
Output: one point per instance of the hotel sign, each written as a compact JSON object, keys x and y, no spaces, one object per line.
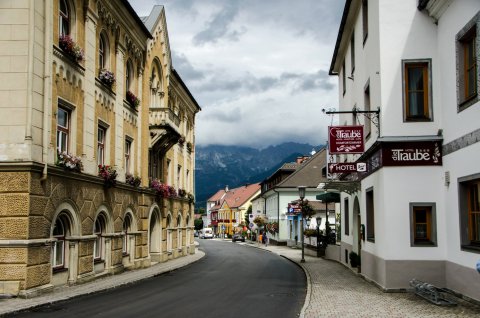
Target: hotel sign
{"x":424,"y":153}
{"x":347,"y":167}
{"x":345,"y":139}
{"x":294,"y":208}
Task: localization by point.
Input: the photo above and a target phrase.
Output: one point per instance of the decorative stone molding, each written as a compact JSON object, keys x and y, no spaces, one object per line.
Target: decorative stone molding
{"x":106,"y":100}
{"x":106,"y":17}
{"x":67,"y":69}
{"x":130,"y":117}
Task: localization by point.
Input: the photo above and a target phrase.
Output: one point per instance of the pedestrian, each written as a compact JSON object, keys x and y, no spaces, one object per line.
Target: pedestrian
{"x":265,"y":239}
{"x":260,"y":238}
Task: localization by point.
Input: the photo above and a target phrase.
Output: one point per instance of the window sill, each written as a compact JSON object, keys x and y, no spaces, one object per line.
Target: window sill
{"x":424,"y":244}
{"x":98,"y":261}
{"x":417,"y":119}
{"x":468,"y":102}
{"x":56,"y":270}
{"x":471,"y":248}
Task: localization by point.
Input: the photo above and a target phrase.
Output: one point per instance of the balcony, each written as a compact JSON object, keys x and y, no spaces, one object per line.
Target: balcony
{"x":159,"y":117}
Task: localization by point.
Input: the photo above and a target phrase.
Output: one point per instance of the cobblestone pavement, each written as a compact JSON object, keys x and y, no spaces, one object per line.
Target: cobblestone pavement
{"x":108,"y":282}
{"x":335,"y":291}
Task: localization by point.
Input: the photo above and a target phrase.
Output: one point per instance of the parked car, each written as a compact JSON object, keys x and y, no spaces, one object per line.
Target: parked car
{"x":238,"y":237}
{"x":206,"y":233}
{"x":195,"y":234}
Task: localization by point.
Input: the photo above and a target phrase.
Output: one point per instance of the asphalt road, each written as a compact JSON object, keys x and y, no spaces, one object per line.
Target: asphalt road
{"x":232,"y":280}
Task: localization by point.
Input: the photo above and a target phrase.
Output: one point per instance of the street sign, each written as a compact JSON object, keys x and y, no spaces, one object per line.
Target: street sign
{"x":347,"y":167}
{"x":251,"y":225}
{"x":345,"y":139}
{"x":294,"y":208}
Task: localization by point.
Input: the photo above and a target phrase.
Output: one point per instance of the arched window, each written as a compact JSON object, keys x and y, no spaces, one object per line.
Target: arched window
{"x":179,"y":232}
{"x":64,"y":18}
{"x":99,"y":231}
{"x":169,"y":233}
{"x":60,"y":231}
{"x":127,"y":228}
{"x":129,"y":76}
{"x":103,"y":51}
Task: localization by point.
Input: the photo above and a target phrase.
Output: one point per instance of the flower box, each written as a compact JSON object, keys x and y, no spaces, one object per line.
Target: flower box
{"x":107,"y":78}
{"x":70,"y":48}
{"x":132,"y":99}
{"x":133,"y":180}
{"x":108,"y":174}
{"x":69,"y":162}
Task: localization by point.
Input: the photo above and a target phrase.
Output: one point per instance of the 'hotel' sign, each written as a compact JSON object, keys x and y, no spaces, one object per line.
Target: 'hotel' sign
{"x":345,"y":139}
{"x":425,"y":153}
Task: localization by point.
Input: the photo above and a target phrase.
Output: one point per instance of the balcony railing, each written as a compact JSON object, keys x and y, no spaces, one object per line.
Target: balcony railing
{"x":163,"y":116}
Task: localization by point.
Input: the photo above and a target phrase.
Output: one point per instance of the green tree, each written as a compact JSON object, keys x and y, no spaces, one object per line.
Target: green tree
{"x":198,"y":223}
{"x":249,"y":211}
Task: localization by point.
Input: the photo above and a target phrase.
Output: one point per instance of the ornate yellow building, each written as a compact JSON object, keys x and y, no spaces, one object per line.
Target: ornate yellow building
{"x":88,"y":87}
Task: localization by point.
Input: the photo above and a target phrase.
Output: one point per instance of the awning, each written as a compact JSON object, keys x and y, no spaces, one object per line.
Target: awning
{"x":329,"y":197}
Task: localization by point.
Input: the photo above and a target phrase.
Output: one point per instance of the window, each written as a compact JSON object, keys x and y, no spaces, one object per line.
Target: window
{"x":365,"y":20}
{"x":423,"y":224}
{"x":63,"y":129}
{"x":344,"y":78}
{"x":59,"y":233}
{"x":179,"y":178}
{"x":101,"y":145}
{"x":179,"y":233}
{"x":127,"y":223}
{"x":468,"y":76}
{"x":98,"y":231}
{"x":417,"y":90}
{"x":103,"y":52}
{"x":370,"y":215}
{"x":474,"y":212}
{"x":346,"y":217}
{"x":469,"y":204}
{"x":128,"y":76}
{"x":352,"y":51}
{"x":366,"y":102}
{"x":64,"y":18}
{"x":128,"y":146}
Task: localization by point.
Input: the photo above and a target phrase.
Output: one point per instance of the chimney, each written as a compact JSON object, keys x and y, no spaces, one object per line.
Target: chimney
{"x":226,"y":188}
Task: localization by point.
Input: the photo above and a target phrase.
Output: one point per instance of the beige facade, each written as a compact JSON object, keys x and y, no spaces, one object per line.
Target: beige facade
{"x":59,"y":226}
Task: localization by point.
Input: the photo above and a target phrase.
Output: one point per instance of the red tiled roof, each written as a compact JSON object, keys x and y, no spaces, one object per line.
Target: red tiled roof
{"x":238,"y":196}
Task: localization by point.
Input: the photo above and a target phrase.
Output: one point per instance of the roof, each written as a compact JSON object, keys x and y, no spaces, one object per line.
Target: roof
{"x":175,"y":73}
{"x":340,"y":37}
{"x":234,"y":198}
{"x":309,"y":173}
{"x":151,"y":20}
{"x":239,"y":196}
{"x":137,"y":18}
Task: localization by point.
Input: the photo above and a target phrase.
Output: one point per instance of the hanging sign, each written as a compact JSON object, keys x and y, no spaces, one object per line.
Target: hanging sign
{"x":345,"y":139}
{"x":347,"y":167}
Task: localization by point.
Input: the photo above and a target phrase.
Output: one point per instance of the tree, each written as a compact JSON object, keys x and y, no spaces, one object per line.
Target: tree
{"x":198,"y":223}
{"x":249,"y":211}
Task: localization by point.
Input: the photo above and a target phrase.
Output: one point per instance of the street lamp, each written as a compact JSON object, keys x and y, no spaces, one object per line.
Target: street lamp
{"x":319,"y":221}
{"x":301,"y":194}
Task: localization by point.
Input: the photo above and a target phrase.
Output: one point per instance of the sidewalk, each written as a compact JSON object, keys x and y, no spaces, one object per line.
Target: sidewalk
{"x":108,"y":282}
{"x":335,"y":291}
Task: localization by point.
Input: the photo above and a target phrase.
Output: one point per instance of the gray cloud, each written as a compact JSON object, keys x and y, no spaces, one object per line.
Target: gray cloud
{"x":218,"y":27}
{"x":185,"y":68}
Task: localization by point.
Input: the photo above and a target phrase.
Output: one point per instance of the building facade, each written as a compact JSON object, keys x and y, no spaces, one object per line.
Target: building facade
{"x":414,"y":214}
{"x":98,"y":112}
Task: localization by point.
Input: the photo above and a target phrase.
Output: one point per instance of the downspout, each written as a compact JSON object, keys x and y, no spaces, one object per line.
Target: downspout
{"x":278,"y":212}
{"x":47,"y":84}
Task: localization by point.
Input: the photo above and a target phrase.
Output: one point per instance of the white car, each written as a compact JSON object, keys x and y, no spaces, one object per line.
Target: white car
{"x":206,"y":233}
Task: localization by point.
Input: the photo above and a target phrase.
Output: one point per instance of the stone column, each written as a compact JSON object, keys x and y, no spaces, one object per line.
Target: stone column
{"x":117,"y":131}
{"x":89,"y":124}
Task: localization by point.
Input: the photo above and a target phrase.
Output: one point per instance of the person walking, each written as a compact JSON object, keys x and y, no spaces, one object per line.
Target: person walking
{"x":265,"y":239}
{"x":260,"y":238}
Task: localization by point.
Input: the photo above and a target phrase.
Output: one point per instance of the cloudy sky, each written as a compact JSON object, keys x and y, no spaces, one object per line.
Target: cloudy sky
{"x":258,"y":68}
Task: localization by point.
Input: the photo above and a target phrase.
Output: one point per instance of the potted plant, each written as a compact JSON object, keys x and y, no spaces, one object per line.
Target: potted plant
{"x":69,"y":162}
{"x":132,"y":99}
{"x":133,"y":180}
{"x":189,"y":146}
{"x":106,"y":77}
{"x":354,"y":259}
{"x":70,"y":48}
{"x":108,"y":174}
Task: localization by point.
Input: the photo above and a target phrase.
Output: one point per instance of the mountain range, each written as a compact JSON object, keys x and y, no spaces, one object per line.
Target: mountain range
{"x":219,"y":166}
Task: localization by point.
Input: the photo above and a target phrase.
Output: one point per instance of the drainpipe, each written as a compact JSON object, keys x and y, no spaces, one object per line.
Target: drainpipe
{"x":47,"y":84}
{"x":278,"y":212}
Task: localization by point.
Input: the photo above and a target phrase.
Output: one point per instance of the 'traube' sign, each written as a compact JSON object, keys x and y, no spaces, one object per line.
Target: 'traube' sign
{"x":345,"y":139}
